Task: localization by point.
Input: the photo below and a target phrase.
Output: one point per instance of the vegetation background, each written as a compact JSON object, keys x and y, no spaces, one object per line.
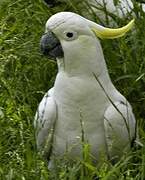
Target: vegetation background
{"x":25,"y":75}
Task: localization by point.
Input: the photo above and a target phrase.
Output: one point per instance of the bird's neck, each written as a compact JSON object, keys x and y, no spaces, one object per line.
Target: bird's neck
{"x":87,"y":63}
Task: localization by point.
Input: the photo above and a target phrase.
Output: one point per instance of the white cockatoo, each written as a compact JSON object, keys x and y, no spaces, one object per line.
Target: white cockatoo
{"x":119,"y":8}
{"x":83,"y":106}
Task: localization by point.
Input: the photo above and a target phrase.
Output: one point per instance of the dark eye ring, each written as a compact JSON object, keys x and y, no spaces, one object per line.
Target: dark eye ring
{"x":69,"y":34}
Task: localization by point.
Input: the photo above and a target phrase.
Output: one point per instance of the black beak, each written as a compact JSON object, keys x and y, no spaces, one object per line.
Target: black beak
{"x":50,"y":45}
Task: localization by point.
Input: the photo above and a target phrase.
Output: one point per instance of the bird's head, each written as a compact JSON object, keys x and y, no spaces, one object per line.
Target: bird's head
{"x":71,"y":36}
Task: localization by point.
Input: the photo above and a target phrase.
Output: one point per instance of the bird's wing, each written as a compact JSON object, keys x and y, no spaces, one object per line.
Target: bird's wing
{"x":120,"y":128}
{"x":44,"y":122}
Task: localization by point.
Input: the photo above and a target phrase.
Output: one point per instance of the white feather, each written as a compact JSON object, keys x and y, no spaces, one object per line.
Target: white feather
{"x":84,"y":96}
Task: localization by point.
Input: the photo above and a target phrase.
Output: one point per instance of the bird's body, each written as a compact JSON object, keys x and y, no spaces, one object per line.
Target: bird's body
{"x":83,"y":106}
{"x":104,"y":9}
{"x":81,"y":111}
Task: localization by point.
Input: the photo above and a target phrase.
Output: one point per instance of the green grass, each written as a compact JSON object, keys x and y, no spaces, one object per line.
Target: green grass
{"x":25,"y":75}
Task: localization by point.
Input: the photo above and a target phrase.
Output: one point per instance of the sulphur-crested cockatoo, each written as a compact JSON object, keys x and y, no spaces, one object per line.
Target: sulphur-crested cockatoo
{"x":119,"y":8}
{"x":83,"y":106}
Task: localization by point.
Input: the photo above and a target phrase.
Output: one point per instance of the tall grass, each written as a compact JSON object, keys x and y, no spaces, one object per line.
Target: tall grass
{"x":25,"y":75}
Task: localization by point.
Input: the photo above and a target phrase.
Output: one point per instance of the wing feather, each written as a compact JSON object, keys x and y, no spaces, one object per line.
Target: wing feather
{"x":45,"y":120}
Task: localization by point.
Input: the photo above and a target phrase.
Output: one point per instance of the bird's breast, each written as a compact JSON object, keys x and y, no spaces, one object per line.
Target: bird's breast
{"x":77,"y":89}
{"x":81,"y":105}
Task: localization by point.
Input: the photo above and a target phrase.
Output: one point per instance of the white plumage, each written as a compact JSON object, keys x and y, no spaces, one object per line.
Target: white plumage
{"x":83,"y":105}
{"x":119,"y":8}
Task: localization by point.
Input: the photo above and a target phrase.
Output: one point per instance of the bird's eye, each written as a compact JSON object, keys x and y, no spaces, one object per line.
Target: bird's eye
{"x":70,"y":35}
